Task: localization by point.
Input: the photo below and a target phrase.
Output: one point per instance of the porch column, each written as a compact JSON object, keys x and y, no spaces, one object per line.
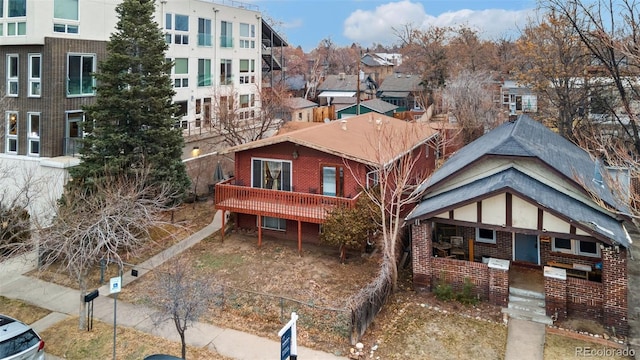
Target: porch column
{"x":421,"y":249}
{"x":555,"y":292}
{"x":259,"y":231}
{"x":299,"y":236}
{"x":499,"y":282}
{"x":614,"y":289}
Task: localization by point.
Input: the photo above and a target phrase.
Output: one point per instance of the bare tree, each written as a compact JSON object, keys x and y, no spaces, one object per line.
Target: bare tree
{"x":182,"y":297}
{"x":469,"y":98}
{"x":242,"y":118}
{"x":109,"y":221}
{"x":398,"y":173}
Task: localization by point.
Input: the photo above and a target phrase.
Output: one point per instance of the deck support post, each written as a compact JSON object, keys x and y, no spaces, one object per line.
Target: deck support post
{"x":259,"y":231}
{"x":299,"y":237}
{"x":223,"y":227}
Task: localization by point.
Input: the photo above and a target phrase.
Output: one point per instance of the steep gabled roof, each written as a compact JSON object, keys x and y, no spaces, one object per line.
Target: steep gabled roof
{"x":528,"y":138}
{"x":352,"y":138}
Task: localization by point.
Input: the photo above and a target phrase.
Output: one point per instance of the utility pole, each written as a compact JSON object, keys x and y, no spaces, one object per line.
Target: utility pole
{"x":358,"y":83}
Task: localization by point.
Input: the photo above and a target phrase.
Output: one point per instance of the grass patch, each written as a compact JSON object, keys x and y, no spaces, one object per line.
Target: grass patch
{"x":65,"y":340}
{"x":213,"y":261}
{"x":558,"y":347}
{"x":22,"y":311}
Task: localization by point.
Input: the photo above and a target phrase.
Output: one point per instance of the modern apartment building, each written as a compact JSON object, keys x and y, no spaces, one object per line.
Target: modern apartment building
{"x":50,"y":48}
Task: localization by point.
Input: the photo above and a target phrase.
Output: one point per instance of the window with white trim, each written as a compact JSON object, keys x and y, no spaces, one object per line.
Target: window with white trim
{"x":17,"y":11}
{"x":65,"y":16}
{"x":372,"y":178}
{"x":204,"y":72}
{"x":226,"y":34}
{"x":12,"y":74}
{"x":226,"y":76}
{"x":576,"y":247}
{"x":33,"y":136}
{"x":271,"y":174}
{"x":80,"y":69}
{"x":11,"y":138}
{"x":247,"y":71}
{"x":35,"y":75}
{"x":247,"y":36}
{"x":485,"y":235}
{"x":181,"y":73}
{"x":273,"y":223}
{"x":180,"y":26}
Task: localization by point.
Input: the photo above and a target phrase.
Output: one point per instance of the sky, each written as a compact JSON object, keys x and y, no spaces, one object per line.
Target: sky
{"x":365,"y":22}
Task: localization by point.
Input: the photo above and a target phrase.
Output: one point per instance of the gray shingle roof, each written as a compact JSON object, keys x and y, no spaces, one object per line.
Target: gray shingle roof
{"x":599,"y":223}
{"x":526,"y":137}
{"x":401,"y":82}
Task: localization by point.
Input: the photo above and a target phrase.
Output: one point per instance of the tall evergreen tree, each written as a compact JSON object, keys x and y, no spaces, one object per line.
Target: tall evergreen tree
{"x":131,"y":124}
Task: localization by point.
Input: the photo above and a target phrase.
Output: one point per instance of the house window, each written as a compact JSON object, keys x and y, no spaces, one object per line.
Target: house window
{"x":226,"y":34}
{"x":485,"y":235}
{"x":181,"y":73}
{"x":332,"y":180}
{"x":80,"y":81}
{"x":35,"y":68}
{"x":12,"y":74}
{"x":12,"y":132}
{"x":576,"y":247}
{"x":271,"y":174}
{"x":247,"y":71}
{"x":33,"y":137}
{"x":204,"y":32}
{"x":67,"y":11}
{"x":372,"y":178}
{"x":247,"y":36}
{"x":273,"y":223}
{"x":204,"y":72}
{"x":225,"y":72}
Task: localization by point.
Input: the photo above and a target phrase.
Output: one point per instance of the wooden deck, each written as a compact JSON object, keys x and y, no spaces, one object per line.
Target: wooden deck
{"x":290,"y":205}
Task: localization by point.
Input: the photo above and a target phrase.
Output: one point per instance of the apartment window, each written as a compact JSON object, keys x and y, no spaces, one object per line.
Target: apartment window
{"x":486,"y":235}
{"x":74,"y":132}
{"x":80,"y":81}
{"x":12,"y":74}
{"x":33,"y":136}
{"x":180,"y":26}
{"x":35,"y":76}
{"x":245,"y":101}
{"x":225,"y":72}
{"x":180,"y":113}
{"x":204,"y":72}
{"x":16,"y":9}
{"x":204,"y":32}
{"x":247,"y":70}
{"x":576,"y":247}
{"x":247,"y":36}
{"x":12,"y":132}
{"x":226,"y":34}
{"x":67,"y":11}
{"x":181,"y":73}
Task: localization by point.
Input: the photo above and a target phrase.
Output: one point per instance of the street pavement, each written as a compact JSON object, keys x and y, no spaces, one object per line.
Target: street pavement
{"x":64,"y":302}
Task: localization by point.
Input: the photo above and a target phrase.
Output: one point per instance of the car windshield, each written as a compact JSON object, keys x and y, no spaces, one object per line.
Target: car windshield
{"x":18,"y":344}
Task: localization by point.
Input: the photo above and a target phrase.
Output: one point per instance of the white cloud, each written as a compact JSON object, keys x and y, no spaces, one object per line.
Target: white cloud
{"x":295,"y":23}
{"x":376,"y":26}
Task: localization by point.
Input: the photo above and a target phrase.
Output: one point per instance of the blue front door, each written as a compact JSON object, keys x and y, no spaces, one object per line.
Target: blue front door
{"x":526,"y":248}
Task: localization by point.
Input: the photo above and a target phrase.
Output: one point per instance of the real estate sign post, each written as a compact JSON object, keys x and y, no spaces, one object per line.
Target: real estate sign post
{"x":288,"y":344}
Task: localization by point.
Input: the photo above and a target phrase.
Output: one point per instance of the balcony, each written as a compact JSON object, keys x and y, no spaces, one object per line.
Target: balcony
{"x":291,"y":205}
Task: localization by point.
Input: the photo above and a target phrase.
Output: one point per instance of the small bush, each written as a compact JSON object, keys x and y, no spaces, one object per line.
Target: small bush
{"x":466,"y":295}
{"x":444,"y":292}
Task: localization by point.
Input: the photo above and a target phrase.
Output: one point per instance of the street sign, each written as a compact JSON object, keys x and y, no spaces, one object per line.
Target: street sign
{"x":285,"y":344}
{"x":115,"y":284}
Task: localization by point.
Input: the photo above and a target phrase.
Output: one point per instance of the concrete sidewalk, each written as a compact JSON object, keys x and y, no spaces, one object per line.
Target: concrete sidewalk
{"x":64,"y":302}
{"x":525,"y":340}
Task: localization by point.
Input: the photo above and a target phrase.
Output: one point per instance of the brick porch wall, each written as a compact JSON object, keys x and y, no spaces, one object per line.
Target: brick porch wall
{"x":584,"y":298}
{"x":555,"y":297}
{"x":455,"y":272}
{"x":421,"y":258}
{"x":499,"y":287}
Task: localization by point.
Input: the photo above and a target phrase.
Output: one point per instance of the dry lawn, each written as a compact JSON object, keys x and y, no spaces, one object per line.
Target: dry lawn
{"x":24,"y":312}
{"x":66,"y":341}
{"x":563,"y":348}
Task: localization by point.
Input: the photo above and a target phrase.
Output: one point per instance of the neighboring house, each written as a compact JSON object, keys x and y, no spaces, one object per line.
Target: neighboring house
{"x":286,"y":185}
{"x":518,"y":98}
{"x":402,"y":90}
{"x":380,"y":65}
{"x":373,"y":105}
{"x":344,"y":88}
{"x":298,"y":109}
{"x":49,"y":50}
{"x":523,"y":196}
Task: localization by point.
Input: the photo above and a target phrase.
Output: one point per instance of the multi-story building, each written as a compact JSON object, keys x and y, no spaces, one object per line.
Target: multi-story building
{"x":49,"y":50}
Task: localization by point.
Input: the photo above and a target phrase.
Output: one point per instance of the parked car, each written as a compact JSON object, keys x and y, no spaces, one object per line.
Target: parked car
{"x":18,"y":341}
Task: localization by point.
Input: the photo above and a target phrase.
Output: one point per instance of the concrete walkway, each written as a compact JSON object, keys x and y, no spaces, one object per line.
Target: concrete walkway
{"x":64,"y":302}
{"x":525,"y":340}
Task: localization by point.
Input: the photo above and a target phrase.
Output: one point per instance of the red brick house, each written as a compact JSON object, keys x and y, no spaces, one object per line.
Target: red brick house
{"x":523,"y":200}
{"x":289,"y":182}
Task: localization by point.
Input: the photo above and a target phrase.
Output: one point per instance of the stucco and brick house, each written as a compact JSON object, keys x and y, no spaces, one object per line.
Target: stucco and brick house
{"x":285,"y":185}
{"x":520,"y":197}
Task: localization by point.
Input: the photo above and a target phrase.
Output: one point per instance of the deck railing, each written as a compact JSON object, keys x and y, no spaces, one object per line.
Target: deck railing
{"x":275,"y":203}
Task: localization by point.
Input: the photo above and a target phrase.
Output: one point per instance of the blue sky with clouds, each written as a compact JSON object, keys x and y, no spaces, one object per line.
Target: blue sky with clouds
{"x":307,"y":22}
